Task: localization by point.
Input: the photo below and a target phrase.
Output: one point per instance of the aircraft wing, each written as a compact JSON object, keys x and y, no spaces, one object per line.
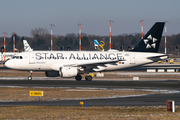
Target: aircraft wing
{"x":87,"y":66}
{"x":95,"y":66}
{"x":93,"y":63}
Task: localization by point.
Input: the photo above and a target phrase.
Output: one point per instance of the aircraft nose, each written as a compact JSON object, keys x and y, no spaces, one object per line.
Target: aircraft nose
{"x":7,"y":63}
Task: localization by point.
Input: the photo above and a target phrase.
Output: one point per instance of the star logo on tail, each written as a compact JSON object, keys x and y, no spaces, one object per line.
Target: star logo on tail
{"x":150,"y":42}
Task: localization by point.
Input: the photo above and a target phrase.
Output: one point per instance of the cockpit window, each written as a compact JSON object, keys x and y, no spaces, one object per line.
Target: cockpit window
{"x":17,"y":57}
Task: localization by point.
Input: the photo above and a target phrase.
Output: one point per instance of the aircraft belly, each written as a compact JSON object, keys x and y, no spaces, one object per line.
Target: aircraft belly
{"x":114,"y":67}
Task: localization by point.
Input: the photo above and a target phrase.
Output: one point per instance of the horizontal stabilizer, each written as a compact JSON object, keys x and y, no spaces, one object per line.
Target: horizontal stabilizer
{"x":157,"y":56}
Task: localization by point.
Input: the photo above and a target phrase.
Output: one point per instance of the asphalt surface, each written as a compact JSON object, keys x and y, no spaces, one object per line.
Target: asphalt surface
{"x":164,"y":85}
{"x":147,"y":100}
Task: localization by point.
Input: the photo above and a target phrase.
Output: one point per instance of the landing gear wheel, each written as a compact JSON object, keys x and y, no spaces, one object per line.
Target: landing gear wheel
{"x":29,"y":77}
{"x":78,"y":77}
{"x":88,"y":78}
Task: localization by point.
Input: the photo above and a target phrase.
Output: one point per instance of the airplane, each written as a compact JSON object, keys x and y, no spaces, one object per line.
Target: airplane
{"x":99,"y":46}
{"x":6,"y":55}
{"x":74,"y":63}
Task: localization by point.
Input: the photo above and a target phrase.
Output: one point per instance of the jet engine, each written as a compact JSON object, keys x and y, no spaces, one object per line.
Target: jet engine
{"x":52,"y":73}
{"x":68,"y":71}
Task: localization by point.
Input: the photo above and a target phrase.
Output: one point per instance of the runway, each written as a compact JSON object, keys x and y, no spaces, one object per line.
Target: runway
{"x":147,"y":100}
{"x":167,"y":85}
{"x":144,"y":100}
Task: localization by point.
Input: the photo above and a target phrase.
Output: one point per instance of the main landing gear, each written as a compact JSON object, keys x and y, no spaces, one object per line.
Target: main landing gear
{"x":87,"y":77}
{"x":30,"y":75}
{"x":78,"y":77}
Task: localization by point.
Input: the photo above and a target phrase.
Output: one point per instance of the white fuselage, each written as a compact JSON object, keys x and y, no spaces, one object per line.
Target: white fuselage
{"x":53,"y":60}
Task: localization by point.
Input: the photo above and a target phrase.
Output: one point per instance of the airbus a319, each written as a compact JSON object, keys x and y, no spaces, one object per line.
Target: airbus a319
{"x":74,"y":63}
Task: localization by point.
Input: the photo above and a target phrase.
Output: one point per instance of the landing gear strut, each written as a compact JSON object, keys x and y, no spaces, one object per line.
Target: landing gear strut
{"x":78,"y":77}
{"x":30,"y":75}
{"x":88,"y":77}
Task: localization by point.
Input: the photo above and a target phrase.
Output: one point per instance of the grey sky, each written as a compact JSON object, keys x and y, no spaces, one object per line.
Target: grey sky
{"x":21,"y":16}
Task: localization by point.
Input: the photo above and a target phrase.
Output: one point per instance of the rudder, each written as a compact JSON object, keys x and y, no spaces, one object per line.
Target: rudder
{"x":151,"y":41}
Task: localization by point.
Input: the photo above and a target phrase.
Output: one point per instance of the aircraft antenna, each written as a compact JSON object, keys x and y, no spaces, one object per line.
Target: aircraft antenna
{"x":79,"y":36}
{"x":52,"y":36}
{"x":141,"y":29}
{"x":110,"y":34}
{"x":165,"y":36}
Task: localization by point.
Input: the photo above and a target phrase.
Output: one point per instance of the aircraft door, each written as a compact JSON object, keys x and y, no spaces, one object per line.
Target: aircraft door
{"x":132,"y":59}
{"x":31,"y":58}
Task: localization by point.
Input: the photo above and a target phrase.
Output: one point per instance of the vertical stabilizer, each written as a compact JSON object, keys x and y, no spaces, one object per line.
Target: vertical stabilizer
{"x":99,"y":46}
{"x":151,"y":41}
{"x":96,"y":43}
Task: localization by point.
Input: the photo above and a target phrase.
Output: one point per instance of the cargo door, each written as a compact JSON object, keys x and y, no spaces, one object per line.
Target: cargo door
{"x":132,"y":59}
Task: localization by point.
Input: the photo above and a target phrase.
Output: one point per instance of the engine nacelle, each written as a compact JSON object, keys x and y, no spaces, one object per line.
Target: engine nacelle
{"x":52,"y":73}
{"x":68,"y":71}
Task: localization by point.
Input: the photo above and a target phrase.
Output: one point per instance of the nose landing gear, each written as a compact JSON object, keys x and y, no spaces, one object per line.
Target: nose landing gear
{"x":30,"y":75}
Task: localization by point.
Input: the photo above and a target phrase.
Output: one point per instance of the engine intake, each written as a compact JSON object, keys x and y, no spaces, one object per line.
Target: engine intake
{"x":68,"y":71}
